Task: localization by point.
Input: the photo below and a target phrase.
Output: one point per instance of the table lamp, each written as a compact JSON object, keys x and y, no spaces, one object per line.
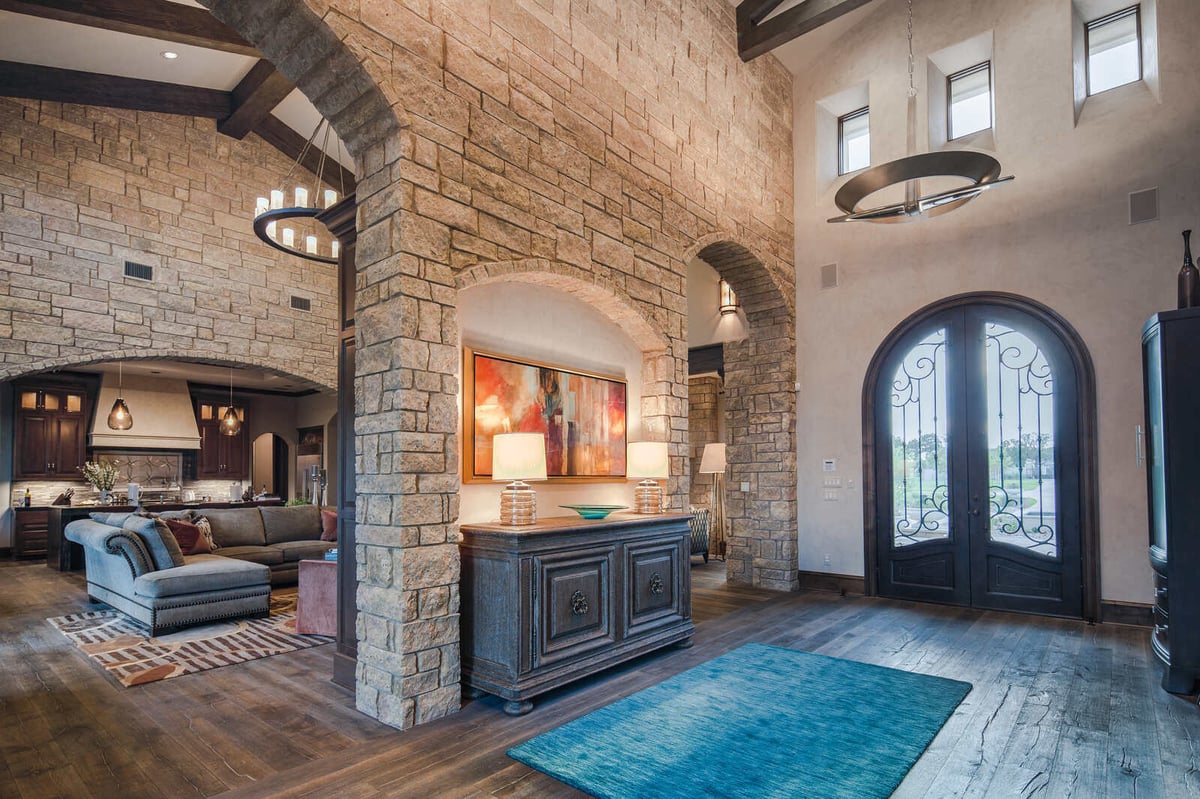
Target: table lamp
{"x":713,"y":462}
{"x":649,"y":460}
{"x":518,"y":457}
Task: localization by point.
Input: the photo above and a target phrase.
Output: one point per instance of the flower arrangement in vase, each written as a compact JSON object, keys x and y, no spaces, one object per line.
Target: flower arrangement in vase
{"x":102,"y":475}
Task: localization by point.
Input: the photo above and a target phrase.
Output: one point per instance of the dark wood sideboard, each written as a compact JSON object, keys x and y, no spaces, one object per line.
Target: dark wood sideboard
{"x":550,"y":603}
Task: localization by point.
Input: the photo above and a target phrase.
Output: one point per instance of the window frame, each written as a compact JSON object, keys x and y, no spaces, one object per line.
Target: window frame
{"x":963,"y":73}
{"x":1134,"y":11}
{"x":850,"y":116}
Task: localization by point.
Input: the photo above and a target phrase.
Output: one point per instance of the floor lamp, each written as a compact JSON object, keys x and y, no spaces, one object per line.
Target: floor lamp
{"x":713,"y":462}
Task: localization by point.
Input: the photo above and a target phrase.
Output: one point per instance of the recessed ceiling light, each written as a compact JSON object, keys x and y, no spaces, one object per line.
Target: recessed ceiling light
{"x":170,"y":55}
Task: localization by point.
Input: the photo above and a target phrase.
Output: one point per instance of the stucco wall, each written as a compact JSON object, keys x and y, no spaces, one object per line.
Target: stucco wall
{"x":1059,"y":234}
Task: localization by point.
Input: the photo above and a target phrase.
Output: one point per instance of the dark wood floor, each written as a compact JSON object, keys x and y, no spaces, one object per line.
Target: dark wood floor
{"x":1059,"y":708}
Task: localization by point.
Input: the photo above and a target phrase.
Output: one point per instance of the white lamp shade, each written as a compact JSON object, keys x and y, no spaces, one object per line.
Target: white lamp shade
{"x":647,"y":460}
{"x":519,"y":456}
{"x":713,"y":459}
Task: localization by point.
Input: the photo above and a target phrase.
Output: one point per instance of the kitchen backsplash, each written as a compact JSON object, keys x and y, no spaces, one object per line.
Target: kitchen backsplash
{"x":44,"y":492}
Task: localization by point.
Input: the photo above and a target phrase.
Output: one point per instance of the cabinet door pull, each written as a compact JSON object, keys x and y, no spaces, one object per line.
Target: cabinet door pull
{"x":579,"y":603}
{"x":656,"y":584}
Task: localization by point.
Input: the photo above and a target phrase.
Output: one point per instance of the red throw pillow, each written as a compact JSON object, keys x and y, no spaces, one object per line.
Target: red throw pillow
{"x":189,"y":537}
{"x":328,"y":525}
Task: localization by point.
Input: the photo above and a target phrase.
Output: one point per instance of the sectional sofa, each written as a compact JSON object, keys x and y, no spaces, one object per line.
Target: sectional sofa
{"x":135,"y":565}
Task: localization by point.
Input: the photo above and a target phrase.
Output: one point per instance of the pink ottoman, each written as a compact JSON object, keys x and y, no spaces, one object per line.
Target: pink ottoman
{"x":316,"y":609}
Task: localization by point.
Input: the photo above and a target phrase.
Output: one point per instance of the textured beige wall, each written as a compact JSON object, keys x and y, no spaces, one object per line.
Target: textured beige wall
{"x":83,"y":189}
{"x":1059,"y":235}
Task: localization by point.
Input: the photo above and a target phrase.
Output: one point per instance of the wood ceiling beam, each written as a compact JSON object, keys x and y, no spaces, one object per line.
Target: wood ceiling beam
{"x":86,"y":88}
{"x":263,"y":88}
{"x":757,"y":35}
{"x":157,"y":19}
{"x":291,"y":144}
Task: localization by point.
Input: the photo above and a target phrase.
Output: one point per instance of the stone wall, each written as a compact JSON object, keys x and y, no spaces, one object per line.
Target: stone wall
{"x":605,"y":139}
{"x":703,"y":428}
{"x":83,"y":189}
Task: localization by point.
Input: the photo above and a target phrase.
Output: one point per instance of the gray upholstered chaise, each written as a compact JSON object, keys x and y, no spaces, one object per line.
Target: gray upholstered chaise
{"x":122,"y":572}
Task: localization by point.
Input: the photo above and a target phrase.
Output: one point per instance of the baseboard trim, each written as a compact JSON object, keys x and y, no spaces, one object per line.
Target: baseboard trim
{"x":839,"y":583}
{"x":344,"y":667}
{"x":1132,"y":613}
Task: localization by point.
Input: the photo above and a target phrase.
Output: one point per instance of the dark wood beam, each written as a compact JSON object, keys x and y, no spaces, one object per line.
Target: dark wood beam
{"x":291,"y":144}
{"x":157,"y":19}
{"x":261,"y":90}
{"x":86,"y":88}
{"x":758,"y":35}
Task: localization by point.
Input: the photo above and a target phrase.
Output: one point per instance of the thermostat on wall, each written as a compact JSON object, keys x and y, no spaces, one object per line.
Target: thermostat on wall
{"x":829,"y":464}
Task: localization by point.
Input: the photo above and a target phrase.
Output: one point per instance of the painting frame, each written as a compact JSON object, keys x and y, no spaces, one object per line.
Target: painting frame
{"x":481,"y":369}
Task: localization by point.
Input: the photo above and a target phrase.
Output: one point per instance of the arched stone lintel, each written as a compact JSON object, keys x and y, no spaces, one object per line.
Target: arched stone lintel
{"x":761,"y":283}
{"x":598,"y":292}
{"x":13,"y":371}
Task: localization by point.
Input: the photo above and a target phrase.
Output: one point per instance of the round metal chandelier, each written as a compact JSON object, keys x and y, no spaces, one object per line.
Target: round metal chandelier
{"x":293,"y":228}
{"x":980,"y":168}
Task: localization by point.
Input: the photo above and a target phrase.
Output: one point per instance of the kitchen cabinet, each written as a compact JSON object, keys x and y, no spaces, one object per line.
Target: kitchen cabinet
{"x":50,"y":430}
{"x":221,"y":457}
{"x":30,"y":531}
{"x":549,"y":603}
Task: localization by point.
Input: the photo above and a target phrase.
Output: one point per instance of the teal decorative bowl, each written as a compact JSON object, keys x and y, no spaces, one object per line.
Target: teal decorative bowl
{"x":594,"y":511}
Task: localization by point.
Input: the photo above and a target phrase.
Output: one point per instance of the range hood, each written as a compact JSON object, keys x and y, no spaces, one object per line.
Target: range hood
{"x":162,"y":415}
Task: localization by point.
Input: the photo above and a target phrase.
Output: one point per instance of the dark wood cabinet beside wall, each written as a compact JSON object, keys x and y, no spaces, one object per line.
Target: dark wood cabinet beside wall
{"x":30,"y":531}
{"x":1171,"y":370}
{"x":546,"y":604}
{"x":51,"y":421}
{"x":220,"y":457}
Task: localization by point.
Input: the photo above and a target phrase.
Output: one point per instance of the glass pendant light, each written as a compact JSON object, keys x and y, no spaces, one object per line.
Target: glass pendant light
{"x":119,"y":418}
{"x":231,"y":422}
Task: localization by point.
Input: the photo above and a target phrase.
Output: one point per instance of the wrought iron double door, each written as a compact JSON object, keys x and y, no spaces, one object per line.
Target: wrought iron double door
{"x":978,"y":502}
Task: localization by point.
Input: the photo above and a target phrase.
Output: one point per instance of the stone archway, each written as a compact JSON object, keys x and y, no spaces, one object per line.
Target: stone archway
{"x":407,"y":650}
{"x":658,"y":367}
{"x":760,"y":403}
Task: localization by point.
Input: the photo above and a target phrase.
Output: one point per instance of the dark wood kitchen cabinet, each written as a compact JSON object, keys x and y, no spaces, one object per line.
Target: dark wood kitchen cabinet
{"x":50,"y":423}
{"x":549,"y":603}
{"x":221,"y":457}
{"x":30,"y":531}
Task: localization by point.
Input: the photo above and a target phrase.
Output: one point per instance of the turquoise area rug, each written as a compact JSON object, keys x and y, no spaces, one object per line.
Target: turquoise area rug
{"x":760,"y":721}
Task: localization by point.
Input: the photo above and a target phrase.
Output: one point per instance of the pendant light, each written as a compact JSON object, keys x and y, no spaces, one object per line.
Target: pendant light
{"x":292,"y":228}
{"x":119,"y":418}
{"x":981,"y":169}
{"x":231,"y":422}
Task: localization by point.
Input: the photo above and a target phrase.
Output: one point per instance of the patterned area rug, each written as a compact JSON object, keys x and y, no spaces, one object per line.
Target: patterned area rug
{"x":760,"y":722}
{"x":121,"y":647}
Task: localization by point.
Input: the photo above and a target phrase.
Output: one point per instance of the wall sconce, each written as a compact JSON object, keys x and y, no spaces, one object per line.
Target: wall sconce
{"x":518,"y":457}
{"x":651,"y":461}
{"x":729,"y":300}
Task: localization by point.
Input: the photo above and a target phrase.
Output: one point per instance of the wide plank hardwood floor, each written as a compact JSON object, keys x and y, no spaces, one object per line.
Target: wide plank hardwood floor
{"x":1059,"y":708}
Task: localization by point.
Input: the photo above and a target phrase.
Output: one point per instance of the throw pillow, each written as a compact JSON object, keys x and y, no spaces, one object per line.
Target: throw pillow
{"x":206,"y":532}
{"x":110,"y":518}
{"x":160,"y":543}
{"x":188,"y":536}
{"x":328,"y":525}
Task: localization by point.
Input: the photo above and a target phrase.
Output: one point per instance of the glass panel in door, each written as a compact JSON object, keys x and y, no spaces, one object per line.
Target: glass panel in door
{"x":1020,"y":432}
{"x":920,"y":461}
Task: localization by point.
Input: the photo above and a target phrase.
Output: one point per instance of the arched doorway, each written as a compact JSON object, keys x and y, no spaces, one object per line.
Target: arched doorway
{"x":269,"y":466}
{"x":977,"y":415}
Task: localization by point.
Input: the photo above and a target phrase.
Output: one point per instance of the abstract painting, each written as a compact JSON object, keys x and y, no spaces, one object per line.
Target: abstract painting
{"x":582,"y":416}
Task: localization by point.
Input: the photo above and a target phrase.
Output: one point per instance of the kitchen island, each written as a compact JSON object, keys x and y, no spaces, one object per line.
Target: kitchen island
{"x":63,"y":555}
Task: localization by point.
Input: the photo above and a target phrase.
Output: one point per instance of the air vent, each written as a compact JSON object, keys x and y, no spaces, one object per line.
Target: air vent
{"x":829,"y":276}
{"x":139,"y":271}
{"x":301,"y":303}
{"x":1143,"y":206}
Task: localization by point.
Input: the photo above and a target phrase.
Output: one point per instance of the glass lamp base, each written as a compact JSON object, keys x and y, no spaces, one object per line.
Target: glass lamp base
{"x":518,"y":504}
{"x":648,"y":497}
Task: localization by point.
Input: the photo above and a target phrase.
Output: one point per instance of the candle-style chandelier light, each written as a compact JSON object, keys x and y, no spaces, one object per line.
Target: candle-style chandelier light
{"x":293,"y":228}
